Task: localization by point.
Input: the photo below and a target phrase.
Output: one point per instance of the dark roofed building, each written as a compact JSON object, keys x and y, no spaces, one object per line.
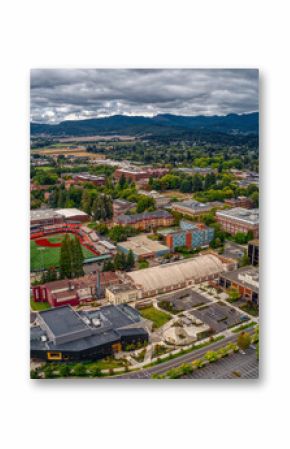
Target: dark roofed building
{"x":64,"y":334}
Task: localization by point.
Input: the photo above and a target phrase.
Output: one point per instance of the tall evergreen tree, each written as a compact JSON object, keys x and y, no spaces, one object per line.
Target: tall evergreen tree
{"x":86,"y":202}
{"x":65,"y":262}
{"x":78,"y":258}
{"x":130,"y":260}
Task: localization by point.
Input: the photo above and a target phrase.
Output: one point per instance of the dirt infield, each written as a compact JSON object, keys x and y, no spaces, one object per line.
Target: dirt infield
{"x":47,"y":243}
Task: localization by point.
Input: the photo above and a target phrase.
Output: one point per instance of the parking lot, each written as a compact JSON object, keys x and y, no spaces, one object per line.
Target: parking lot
{"x":181,"y":301}
{"x":218,"y":316}
{"x":236,"y":366}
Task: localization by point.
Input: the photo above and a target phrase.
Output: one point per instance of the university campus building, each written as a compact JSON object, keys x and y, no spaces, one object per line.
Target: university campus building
{"x":239,"y":220}
{"x":45,"y":217}
{"x":253,"y":252}
{"x":143,"y":247}
{"x":240,"y":201}
{"x":193,"y":208}
{"x":174,"y":276}
{"x":74,"y":291}
{"x":136,"y":174}
{"x":63,"y":334}
{"x":245,"y":280}
{"x":87,"y":177}
{"x":191,"y":235}
{"x":146,"y":220}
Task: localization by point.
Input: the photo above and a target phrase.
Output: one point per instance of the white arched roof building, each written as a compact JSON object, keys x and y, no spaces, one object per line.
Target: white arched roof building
{"x":178,"y":274}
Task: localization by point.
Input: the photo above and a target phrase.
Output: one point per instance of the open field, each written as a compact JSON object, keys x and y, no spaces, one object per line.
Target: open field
{"x":43,"y":257}
{"x":66,"y":151}
{"x":159,"y":318}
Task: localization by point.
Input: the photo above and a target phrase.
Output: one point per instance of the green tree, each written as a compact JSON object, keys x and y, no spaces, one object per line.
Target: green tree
{"x":197,"y":183}
{"x":130,"y":260}
{"x":144,"y":203}
{"x":255,"y":198}
{"x":244,"y":340}
{"x":122,"y":182}
{"x":244,"y":260}
{"x":86,"y":202}
{"x":77,"y":257}
{"x":65,"y":262}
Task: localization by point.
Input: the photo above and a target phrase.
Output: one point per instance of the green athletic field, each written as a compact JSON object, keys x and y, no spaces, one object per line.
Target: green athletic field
{"x":45,"y":257}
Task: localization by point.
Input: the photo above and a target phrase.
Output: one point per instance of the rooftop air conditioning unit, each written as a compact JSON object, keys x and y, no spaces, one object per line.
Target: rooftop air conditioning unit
{"x":96,"y":322}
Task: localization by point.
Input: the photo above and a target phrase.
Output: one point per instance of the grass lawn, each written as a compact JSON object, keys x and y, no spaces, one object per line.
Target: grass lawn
{"x":106,"y":363}
{"x":45,"y":257}
{"x":252,"y":310}
{"x":159,"y":318}
{"x":37,"y":306}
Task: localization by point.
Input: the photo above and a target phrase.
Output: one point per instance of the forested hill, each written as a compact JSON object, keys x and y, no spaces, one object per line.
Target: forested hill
{"x":163,"y":125}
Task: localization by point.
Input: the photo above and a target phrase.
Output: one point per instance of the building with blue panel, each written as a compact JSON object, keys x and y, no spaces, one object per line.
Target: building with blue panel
{"x":191,"y":235}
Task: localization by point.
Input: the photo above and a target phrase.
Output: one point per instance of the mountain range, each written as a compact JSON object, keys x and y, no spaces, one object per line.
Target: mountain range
{"x":163,"y":124}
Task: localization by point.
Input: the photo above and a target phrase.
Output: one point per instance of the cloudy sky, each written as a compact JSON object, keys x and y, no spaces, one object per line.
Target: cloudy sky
{"x":70,"y":94}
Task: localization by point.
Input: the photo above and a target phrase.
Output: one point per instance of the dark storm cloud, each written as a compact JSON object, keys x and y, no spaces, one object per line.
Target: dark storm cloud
{"x":70,"y":94}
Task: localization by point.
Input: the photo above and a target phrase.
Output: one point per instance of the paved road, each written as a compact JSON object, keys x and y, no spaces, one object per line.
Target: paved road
{"x":163,"y":367}
{"x":246,"y":364}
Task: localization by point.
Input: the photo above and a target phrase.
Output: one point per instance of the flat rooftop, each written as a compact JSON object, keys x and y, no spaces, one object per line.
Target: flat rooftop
{"x":62,"y":320}
{"x":43,"y":214}
{"x":142,"y":245}
{"x":250,"y":216}
{"x":71,"y":212}
{"x":246,"y":276}
{"x":127,"y":219}
{"x":50,"y":213}
{"x":193,"y":205}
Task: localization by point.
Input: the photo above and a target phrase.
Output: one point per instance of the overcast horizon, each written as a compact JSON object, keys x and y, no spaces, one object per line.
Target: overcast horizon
{"x":75,"y":94}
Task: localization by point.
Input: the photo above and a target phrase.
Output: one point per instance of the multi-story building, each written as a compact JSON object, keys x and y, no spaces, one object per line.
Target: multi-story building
{"x":253,"y":252}
{"x":241,"y":201}
{"x":245,"y":280}
{"x":239,"y":220}
{"x":191,"y":235}
{"x":87,"y":177}
{"x":121,"y":206}
{"x":192,"y":208}
{"x":74,"y":291}
{"x":160,"y":200}
{"x":146,"y":220}
{"x":120,"y":294}
{"x":136,"y":174}
{"x":130,"y":173}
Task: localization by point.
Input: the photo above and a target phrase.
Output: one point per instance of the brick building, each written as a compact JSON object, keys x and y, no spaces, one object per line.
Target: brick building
{"x":73,"y":291}
{"x":239,"y":220}
{"x":87,"y":177}
{"x":146,"y":220}
{"x":136,"y":174}
{"x":241,"y":201}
